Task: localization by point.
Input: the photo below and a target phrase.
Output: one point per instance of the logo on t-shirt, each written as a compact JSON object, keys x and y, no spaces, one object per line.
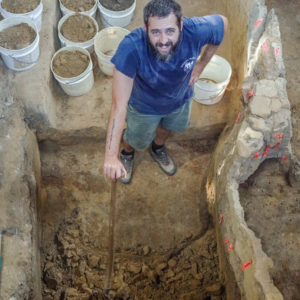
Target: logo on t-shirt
{"x":188,"y":64}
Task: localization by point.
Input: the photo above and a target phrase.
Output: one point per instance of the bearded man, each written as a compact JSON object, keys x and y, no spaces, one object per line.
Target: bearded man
{"x":155,"y":68}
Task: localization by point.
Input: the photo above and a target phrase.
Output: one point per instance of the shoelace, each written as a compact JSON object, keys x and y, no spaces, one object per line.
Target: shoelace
{"x":163,"y":157}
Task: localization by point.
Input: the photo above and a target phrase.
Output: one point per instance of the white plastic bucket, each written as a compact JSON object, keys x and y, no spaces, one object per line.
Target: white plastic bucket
{"x":92,"y":12}
{"x":88,"y":45}
{"x":106,"y":43}
{"x":116,"y":18}
{"x":35,"y":15}
{"x":211,"y":86}
{"x":78,"y":85}
{"x":21,"y":59}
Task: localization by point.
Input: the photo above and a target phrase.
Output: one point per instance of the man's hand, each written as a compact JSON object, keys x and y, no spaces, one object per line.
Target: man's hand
{"x":113,"y":168}
{"x":196,"y":73}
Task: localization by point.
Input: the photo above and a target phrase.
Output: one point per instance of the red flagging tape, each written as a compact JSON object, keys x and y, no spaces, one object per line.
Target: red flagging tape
{"x":284,"y":158}
{"x":280,"y":135}
{"x":238,"y":117}
{"x":258,"y":22}
{"x":256,"y":155}
{"x":226,"y":241}
{"x":221,"y":218}
{"x":276,"y":51}
{"x":267,"y":150}
{"x":265,"y":46}
{"x":230,"y":247}
{"x":246,"y":265}
{"x":250,"y":94}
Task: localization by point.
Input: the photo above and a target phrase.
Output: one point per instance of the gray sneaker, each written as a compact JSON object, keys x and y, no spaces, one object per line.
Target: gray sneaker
{"x":127,"y":161}
{"x":166,"y":163}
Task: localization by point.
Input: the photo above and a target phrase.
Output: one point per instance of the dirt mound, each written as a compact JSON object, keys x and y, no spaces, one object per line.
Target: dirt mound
{"x":17,"y":36}
{"x":78,"y":28}
{"x":20,"y":6}
{"x":75,"y":269}
{"x":78,"y":5}
{"x":69,"y":64}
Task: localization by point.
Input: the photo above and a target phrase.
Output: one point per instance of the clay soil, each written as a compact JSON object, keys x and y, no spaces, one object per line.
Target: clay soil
{"x":78,"y":28}
{"x":116,"y":5}
{"x":17,"y":37}
{"x":20,"y":6}
{"x":78,"y":5}
{"x":69,"y":64}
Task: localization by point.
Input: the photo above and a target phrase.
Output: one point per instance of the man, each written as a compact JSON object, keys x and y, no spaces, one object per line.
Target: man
{"x":155,"y":70}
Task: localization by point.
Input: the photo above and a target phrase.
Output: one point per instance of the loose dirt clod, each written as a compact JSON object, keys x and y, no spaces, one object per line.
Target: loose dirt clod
{"x":69,"y":64}
{"x":78,"y":28}
{"x":78,"y":5}
{"x":116,"y":5}
{"x":17,"y":36}
{"x":20,"y":6}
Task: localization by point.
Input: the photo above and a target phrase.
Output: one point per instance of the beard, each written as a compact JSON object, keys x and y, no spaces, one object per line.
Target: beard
{"x":164,"y":57}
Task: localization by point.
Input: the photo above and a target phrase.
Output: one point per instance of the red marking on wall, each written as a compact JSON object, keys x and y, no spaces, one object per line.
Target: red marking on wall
{"x":267,"y":150}
{"x":276,"y":51}
{"x":246,"y":265}
{"x":256,"y":155}
{"x":277,"y":145}
{"x":250,"y":94}
{"x":221,"y":218}
{"x":238,"y":117}
{"x":230,"y":247}
{"x":284,"y":158}
{"x":265,"y":46}
{"x":258,"y":22}
{"x":226,"y":241}
{"x":279,"y":135}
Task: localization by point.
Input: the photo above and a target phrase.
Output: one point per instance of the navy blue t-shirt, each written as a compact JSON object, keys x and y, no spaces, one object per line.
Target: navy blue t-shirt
{"x":161,"y":87}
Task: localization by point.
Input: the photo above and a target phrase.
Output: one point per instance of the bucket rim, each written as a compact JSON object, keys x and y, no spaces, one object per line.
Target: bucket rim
{"x":65,"y":17}
{"x":22,"y":14}
{"x":86,"y":11}
{"x":30,"y":23}
{"x":129,"y":9}
{"x":78,"y":77}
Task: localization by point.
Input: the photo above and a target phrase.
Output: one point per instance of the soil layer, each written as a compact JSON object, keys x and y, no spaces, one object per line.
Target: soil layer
{"x":17,"y":37}
{"x":116,"y":5}
{"x":78,"y":28}
{"x":272,"y":210}
{"x":20,"y":6}
{"x":78,"y":5}
{"x":69,"y":64}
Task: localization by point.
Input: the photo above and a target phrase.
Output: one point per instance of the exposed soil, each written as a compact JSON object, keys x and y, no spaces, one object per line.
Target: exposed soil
{"x":20,"y":6}
{"x":17,"y":37}
{"x":272,"y":210}
{"x":116,"y":5}
{"x":78,"y":5}
{"x":78,"y":28}
{"x":76,"y":269}
{"x":69,"y":64}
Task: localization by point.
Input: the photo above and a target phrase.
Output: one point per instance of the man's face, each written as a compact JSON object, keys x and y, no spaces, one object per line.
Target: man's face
{"x":163,"y":35}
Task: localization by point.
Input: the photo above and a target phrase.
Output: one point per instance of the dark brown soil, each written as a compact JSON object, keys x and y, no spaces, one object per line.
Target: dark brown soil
{"x":74,"y":268}
{"x":17,"y":37}
{"x":78,"y":5}
{"x":272,"y":210}
{"x":69,"y":64}
{"x":78,"y":28}
{"x":20,"y":6}
{"x":116,"y":5}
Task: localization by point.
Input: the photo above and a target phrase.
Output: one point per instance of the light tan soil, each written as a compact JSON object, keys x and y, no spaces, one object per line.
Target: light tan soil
{"x":78,"y":28}
{"x":17,"y":36}
{"x":78,"y":5}
{"x":116,"y":5}
{"x":20,"y":6}
{"x":69,"y":64}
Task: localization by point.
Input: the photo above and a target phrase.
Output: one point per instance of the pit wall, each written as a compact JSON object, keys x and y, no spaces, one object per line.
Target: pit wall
{"x":19,"y":182}
{"x":260,"y":131}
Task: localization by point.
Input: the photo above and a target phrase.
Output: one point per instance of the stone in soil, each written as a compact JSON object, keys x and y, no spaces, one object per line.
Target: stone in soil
{"x":17,"y":37}
{"x":78,"y":28}
{"x":69,"y":64}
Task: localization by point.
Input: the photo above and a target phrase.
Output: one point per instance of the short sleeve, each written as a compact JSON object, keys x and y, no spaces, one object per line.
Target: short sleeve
{"x":126,"y":59}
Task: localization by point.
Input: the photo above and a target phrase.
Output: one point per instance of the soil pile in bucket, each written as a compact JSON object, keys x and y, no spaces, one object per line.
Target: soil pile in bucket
{"x":116,"y":5}
{"x":17,"y":36}
{"x":78,"y":5}
{"x":20,"y":6}
{"x":69,"y":64}
{"x":78,"y":28}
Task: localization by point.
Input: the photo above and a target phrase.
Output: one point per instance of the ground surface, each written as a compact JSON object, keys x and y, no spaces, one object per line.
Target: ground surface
{"x":271,"y":197}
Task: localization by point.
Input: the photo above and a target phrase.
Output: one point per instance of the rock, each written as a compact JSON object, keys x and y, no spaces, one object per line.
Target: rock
{"x":93,"y":279}
{"x":146,"y":250}
{"x":194,"y":268}
{"x":215,"y":289}
{"x":161,"y":267}
{"x":294,"y":173}
{"x":172,"y":263}
{"x":53,"y":278}
{"x":93,"y":261}
{"x":134,"y":268}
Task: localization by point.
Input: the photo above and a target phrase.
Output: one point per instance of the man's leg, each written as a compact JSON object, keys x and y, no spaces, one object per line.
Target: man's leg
{"x":162,"y":135}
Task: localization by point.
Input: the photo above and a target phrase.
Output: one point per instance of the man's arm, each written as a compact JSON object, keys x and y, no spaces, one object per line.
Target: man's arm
{"x":121,"y":91}
{"x":206,"y":57}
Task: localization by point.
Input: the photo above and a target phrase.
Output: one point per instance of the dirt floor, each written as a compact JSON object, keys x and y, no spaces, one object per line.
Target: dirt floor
{"x":271,"y":197}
